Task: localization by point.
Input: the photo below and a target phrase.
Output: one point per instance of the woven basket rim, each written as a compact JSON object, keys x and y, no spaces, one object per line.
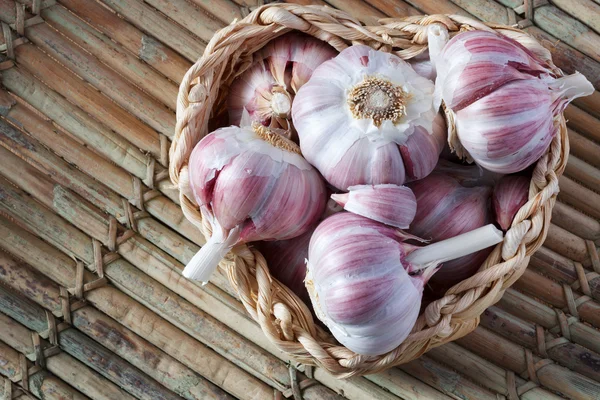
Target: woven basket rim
{"x":284,"y":319}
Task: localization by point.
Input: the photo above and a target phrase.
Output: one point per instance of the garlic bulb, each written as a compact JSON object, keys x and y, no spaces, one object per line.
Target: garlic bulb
{"x":446,"y":209}
{"x":266,"y":89}
{"x":388,"y":203}
{"x":361,"y":117}
{"x":250,"y":184}
{"x":504,"y":99}
{"x":360,"y":283}
{"x":509,"y":195}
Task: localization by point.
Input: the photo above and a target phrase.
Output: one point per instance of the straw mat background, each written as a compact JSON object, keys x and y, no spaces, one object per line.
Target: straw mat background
{"x":92,"y":241}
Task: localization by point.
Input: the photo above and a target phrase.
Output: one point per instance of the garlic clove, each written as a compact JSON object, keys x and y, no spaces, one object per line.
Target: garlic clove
{"x":387,"y":203}
{"x":509,"y":129}
{"x":509,"y":195}
{"x":306,"y":58}
{"x":421,"y":151}
{"x":445,"y":209}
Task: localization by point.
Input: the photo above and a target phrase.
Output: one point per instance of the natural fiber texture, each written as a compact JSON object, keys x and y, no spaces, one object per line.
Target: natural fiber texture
{"x":284,"y":319}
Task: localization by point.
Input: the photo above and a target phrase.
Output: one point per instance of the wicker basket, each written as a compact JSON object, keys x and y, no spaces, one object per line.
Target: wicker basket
{"x":284,"y":319}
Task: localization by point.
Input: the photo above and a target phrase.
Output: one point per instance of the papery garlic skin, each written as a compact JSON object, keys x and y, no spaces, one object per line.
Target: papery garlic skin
{"x":509,"y":195}
{"x":267,"y":88}
{"x":503,"y":98}
{"x":355,"y":113}
{"x":446,"y":209}
{"x":358,"y":285}
{"x":388,"y":203}
{"x":250,"y":184}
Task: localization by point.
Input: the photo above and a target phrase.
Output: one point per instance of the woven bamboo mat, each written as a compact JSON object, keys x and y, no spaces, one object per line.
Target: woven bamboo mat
{"x":92,"y":303}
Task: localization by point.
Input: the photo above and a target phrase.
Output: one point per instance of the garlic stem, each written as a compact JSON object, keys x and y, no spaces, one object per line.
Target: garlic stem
{"x":206,"y":260}
{"x":455,"y":247}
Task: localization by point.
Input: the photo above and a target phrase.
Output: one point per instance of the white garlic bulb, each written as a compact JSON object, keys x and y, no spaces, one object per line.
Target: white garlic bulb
{"x":366,"y":283}
{"x":250,"y":184}
{"x":504,"y":99}
{"x":267,"y":88}
{"x":360,"y":115}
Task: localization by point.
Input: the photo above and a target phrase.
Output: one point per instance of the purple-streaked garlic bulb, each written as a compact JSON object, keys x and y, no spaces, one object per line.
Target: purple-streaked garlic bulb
{"x":250,"y":184}
{"x":267,"y":88}
{"x":366,"y":117}
{"x":504,"y":99}
{"x":387,"y":203}
{"x":446,"y":209}
{"x":366,"y":283}
{"x":509,"y":195}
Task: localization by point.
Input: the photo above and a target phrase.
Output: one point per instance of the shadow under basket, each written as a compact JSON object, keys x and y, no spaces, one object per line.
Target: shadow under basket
{"x":283,"y":317}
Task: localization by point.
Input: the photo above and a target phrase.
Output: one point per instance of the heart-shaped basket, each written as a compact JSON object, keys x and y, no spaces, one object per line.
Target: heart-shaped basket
{"x":284,"y":319}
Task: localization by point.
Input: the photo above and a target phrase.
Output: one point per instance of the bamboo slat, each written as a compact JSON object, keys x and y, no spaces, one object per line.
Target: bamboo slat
{"x":584,"y":148}
{"x":553,"y":320}
{"x":560,"y":296}
{"x":90,"y":100}
{"x":583,"y":122}
{"x":39,"y":383}
{"x":590,"y":104}
{"x":112,"y":54}
{"x":567,"y":244}
{"x":585,"y":11}
{"x":583,"y":172}
{"x":60,"y":364}
{"x":446,"y":379}
{"x":188,"y":16}
{"x":359,"y":10}
{"x":99,"y":75}
{"x":147,"y":48}
{"x":575,"y":221}
{"x":150,"y":293}
{"x":150,"y":21}
{"x":84,"y":349}
{"x":520,"y":360}
{"x":89,"y":162}
{"x":110,"y":334}
{"x":579,"y":196}
{"x":489,"y":375}
{"x":132,"y":315}
{"x":225,"y":10}
{"x":75,"y":121}
{"x":545,"y":344}
{"x":568,"y":29}
{"x":566,"y":271}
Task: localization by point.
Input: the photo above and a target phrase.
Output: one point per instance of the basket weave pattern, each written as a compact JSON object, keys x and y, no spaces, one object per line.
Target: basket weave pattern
{"x":284,"y":319}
